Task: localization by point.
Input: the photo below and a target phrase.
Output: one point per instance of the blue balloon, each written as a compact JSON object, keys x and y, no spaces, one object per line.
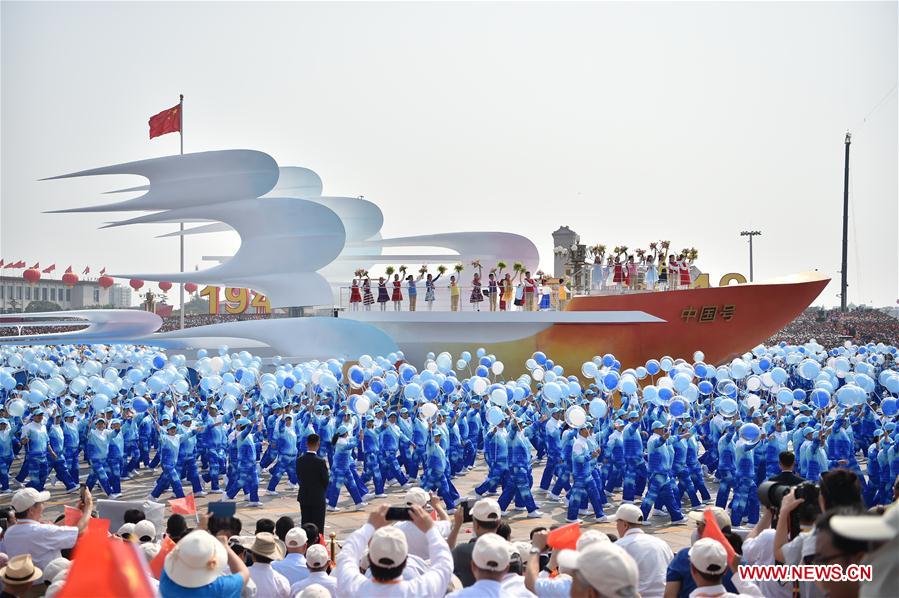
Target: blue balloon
{"x":677,"y":407}
{"x":289,"y":382}
{"x":665,"y":394}
{"x":821,"y":398}
{"x":238,"y":374}
{"x":653,"y":367}
{"x":485,"y":361}
{"x":481,"y":352}
{"x":799,"y":395}
{"x":482,"y":371}
{"x":377,"y":385}
{"x":140,"y":404}
{"x":448,"y":386}
{"x":430,"y":389}
{"x":610,"y":380}
{"x":159,"y":362}
{"x":764,"y":364}
{"x":706,"y":387}
{"x":466,"y":356}
{"x":539,"y":357}
{"x":608,"y":360}
{"x":889,"y":406}
{"x":750,"y":432}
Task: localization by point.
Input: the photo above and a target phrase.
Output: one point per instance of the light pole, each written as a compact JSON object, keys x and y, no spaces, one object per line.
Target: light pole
{"x":750,"y":234}
{"x":844,"y":262}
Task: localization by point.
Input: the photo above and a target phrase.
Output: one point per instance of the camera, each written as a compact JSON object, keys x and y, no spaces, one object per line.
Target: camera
{"x":771,"y":495}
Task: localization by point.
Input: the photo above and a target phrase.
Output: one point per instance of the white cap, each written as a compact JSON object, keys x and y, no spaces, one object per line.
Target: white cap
{"x":491,"y":553}
{"x":296,"y":538}
{"x":868,"y":527}
{"x":721,"y":516}
{"x":591,"y":536}
{"x":629,"y":513}
{"x":26,"y":498}
{"x":417,"y":496}
{"x":196,"y":560}
{"x":388,"y":547}
{"x":145,"y":529}
{"x":127,"y":528}
{"x":314,"y":591}
{"x":486,"y":510}
{"x":317,"y":556}
{"x":708,"y":556}
{"x":55,"y":567}
{"x":606,"y":567}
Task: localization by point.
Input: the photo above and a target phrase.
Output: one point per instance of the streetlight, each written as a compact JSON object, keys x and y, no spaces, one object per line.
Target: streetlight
{"x":750,"y":234}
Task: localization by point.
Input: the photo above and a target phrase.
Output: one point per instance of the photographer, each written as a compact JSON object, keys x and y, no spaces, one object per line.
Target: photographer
{"x":838,"y":488}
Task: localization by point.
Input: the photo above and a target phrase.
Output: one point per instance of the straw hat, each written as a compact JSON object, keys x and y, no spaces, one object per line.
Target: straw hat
{"x":196,"y":560}
{"x":19,"y":570}
{"x":268,"y":545}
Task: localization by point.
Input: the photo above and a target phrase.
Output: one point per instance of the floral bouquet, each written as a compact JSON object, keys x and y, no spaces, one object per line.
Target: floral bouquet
{"x":423,"y":269}
{"x":441,"y":269}
{"x":390,"y":270}
{"x":500,"y":266}
{"x":403,"y":270}
{"x":359,"y":273}
{"x":458,"y":268}
{"x":476,"y":264}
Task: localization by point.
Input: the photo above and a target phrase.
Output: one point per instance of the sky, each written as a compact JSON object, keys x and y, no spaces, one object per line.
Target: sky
{"x":628,"y":122}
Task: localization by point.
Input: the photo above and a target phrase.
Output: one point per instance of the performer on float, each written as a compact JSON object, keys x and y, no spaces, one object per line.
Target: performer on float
{"x":429,"y":289}
{"x":631,"y":273}
{"x":564,"y":293}
{"x":492,"y":290}
{"x":476,"y":294}
{"x":684,"y":269}
{"x":597,"y":273}
{"x":383,"y":297}
{"x":618,"y":274}
{"x":397,"y":294}
{"x":507,"y":290}
{"x":367,"y":298}
{"x":652,"y":275}
{"x":530,"y":292}
{"x":412,"y":290}
{"x":673,"y":270}
{"x":454,"y":294}
{"x":355,"y":295}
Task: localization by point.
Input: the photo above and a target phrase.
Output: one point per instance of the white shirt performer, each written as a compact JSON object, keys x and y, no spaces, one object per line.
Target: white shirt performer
{"x":43,"y":541}
{"x":387,"y":553}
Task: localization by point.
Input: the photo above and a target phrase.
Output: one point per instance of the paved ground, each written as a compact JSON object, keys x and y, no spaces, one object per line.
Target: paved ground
{"x":348,"y":519}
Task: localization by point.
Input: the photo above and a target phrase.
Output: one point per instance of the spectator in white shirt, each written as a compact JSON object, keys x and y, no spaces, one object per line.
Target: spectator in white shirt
{"x":601,"y":569}
{"x":559,"y":586}
{"x":317,"y":562}
{"x":387,"y":553}
{"x":269,"y":583}
{"x":651,"y":554}
{"x":293,"y":566}
{"x":513,"y":582}
{"x":489,"y":564}
{"x":314,"y":591}
{"x":43,"y":541}
{"x":417,"y":541}
{"x":708,"y":562}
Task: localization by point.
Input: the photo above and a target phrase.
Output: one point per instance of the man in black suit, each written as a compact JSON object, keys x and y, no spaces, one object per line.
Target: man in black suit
{"x":787,"y":476}
{"x":312,"y":473}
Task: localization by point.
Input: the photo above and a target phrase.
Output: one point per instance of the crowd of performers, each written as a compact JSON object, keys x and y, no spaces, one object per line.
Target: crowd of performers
{"x":647,"y":449}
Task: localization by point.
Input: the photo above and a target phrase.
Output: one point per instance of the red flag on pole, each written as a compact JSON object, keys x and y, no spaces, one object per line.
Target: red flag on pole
{"x":49,"y":269}
{"x":36,"y":266}
{"x":103,"y":271}
{"x":1,"y":262}
{"x":167,"y":121}
{"x":10,"y":265}
{"x":184,"y":506}
{"x":20,"y":264}
{"x":564,"y":536}
{"x":87,"y":270}
{"x":68,"y":270}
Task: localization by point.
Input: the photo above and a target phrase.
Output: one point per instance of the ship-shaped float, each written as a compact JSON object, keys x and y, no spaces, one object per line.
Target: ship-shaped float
{"x":300,"y":247}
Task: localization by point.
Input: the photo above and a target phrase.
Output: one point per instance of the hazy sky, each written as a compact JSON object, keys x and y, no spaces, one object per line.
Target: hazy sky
{"x":628,"y":122}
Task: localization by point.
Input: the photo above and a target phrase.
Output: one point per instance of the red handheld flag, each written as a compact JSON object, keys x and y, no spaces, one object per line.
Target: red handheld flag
{"x":714,"y":532}
{"x":105,"y":567}
{"x":159,"y":560}
{"x":167,"y":121}
{"x":565,"y":536}
{"x":73,"y":516}
{"x":184,"y":506}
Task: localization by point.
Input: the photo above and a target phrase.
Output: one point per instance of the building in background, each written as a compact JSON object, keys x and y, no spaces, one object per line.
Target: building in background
{"x":563,"y":237}
{"x":16,"y":295}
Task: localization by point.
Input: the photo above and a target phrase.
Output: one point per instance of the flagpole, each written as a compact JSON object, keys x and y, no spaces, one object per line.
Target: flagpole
{"x":181,"y":236}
